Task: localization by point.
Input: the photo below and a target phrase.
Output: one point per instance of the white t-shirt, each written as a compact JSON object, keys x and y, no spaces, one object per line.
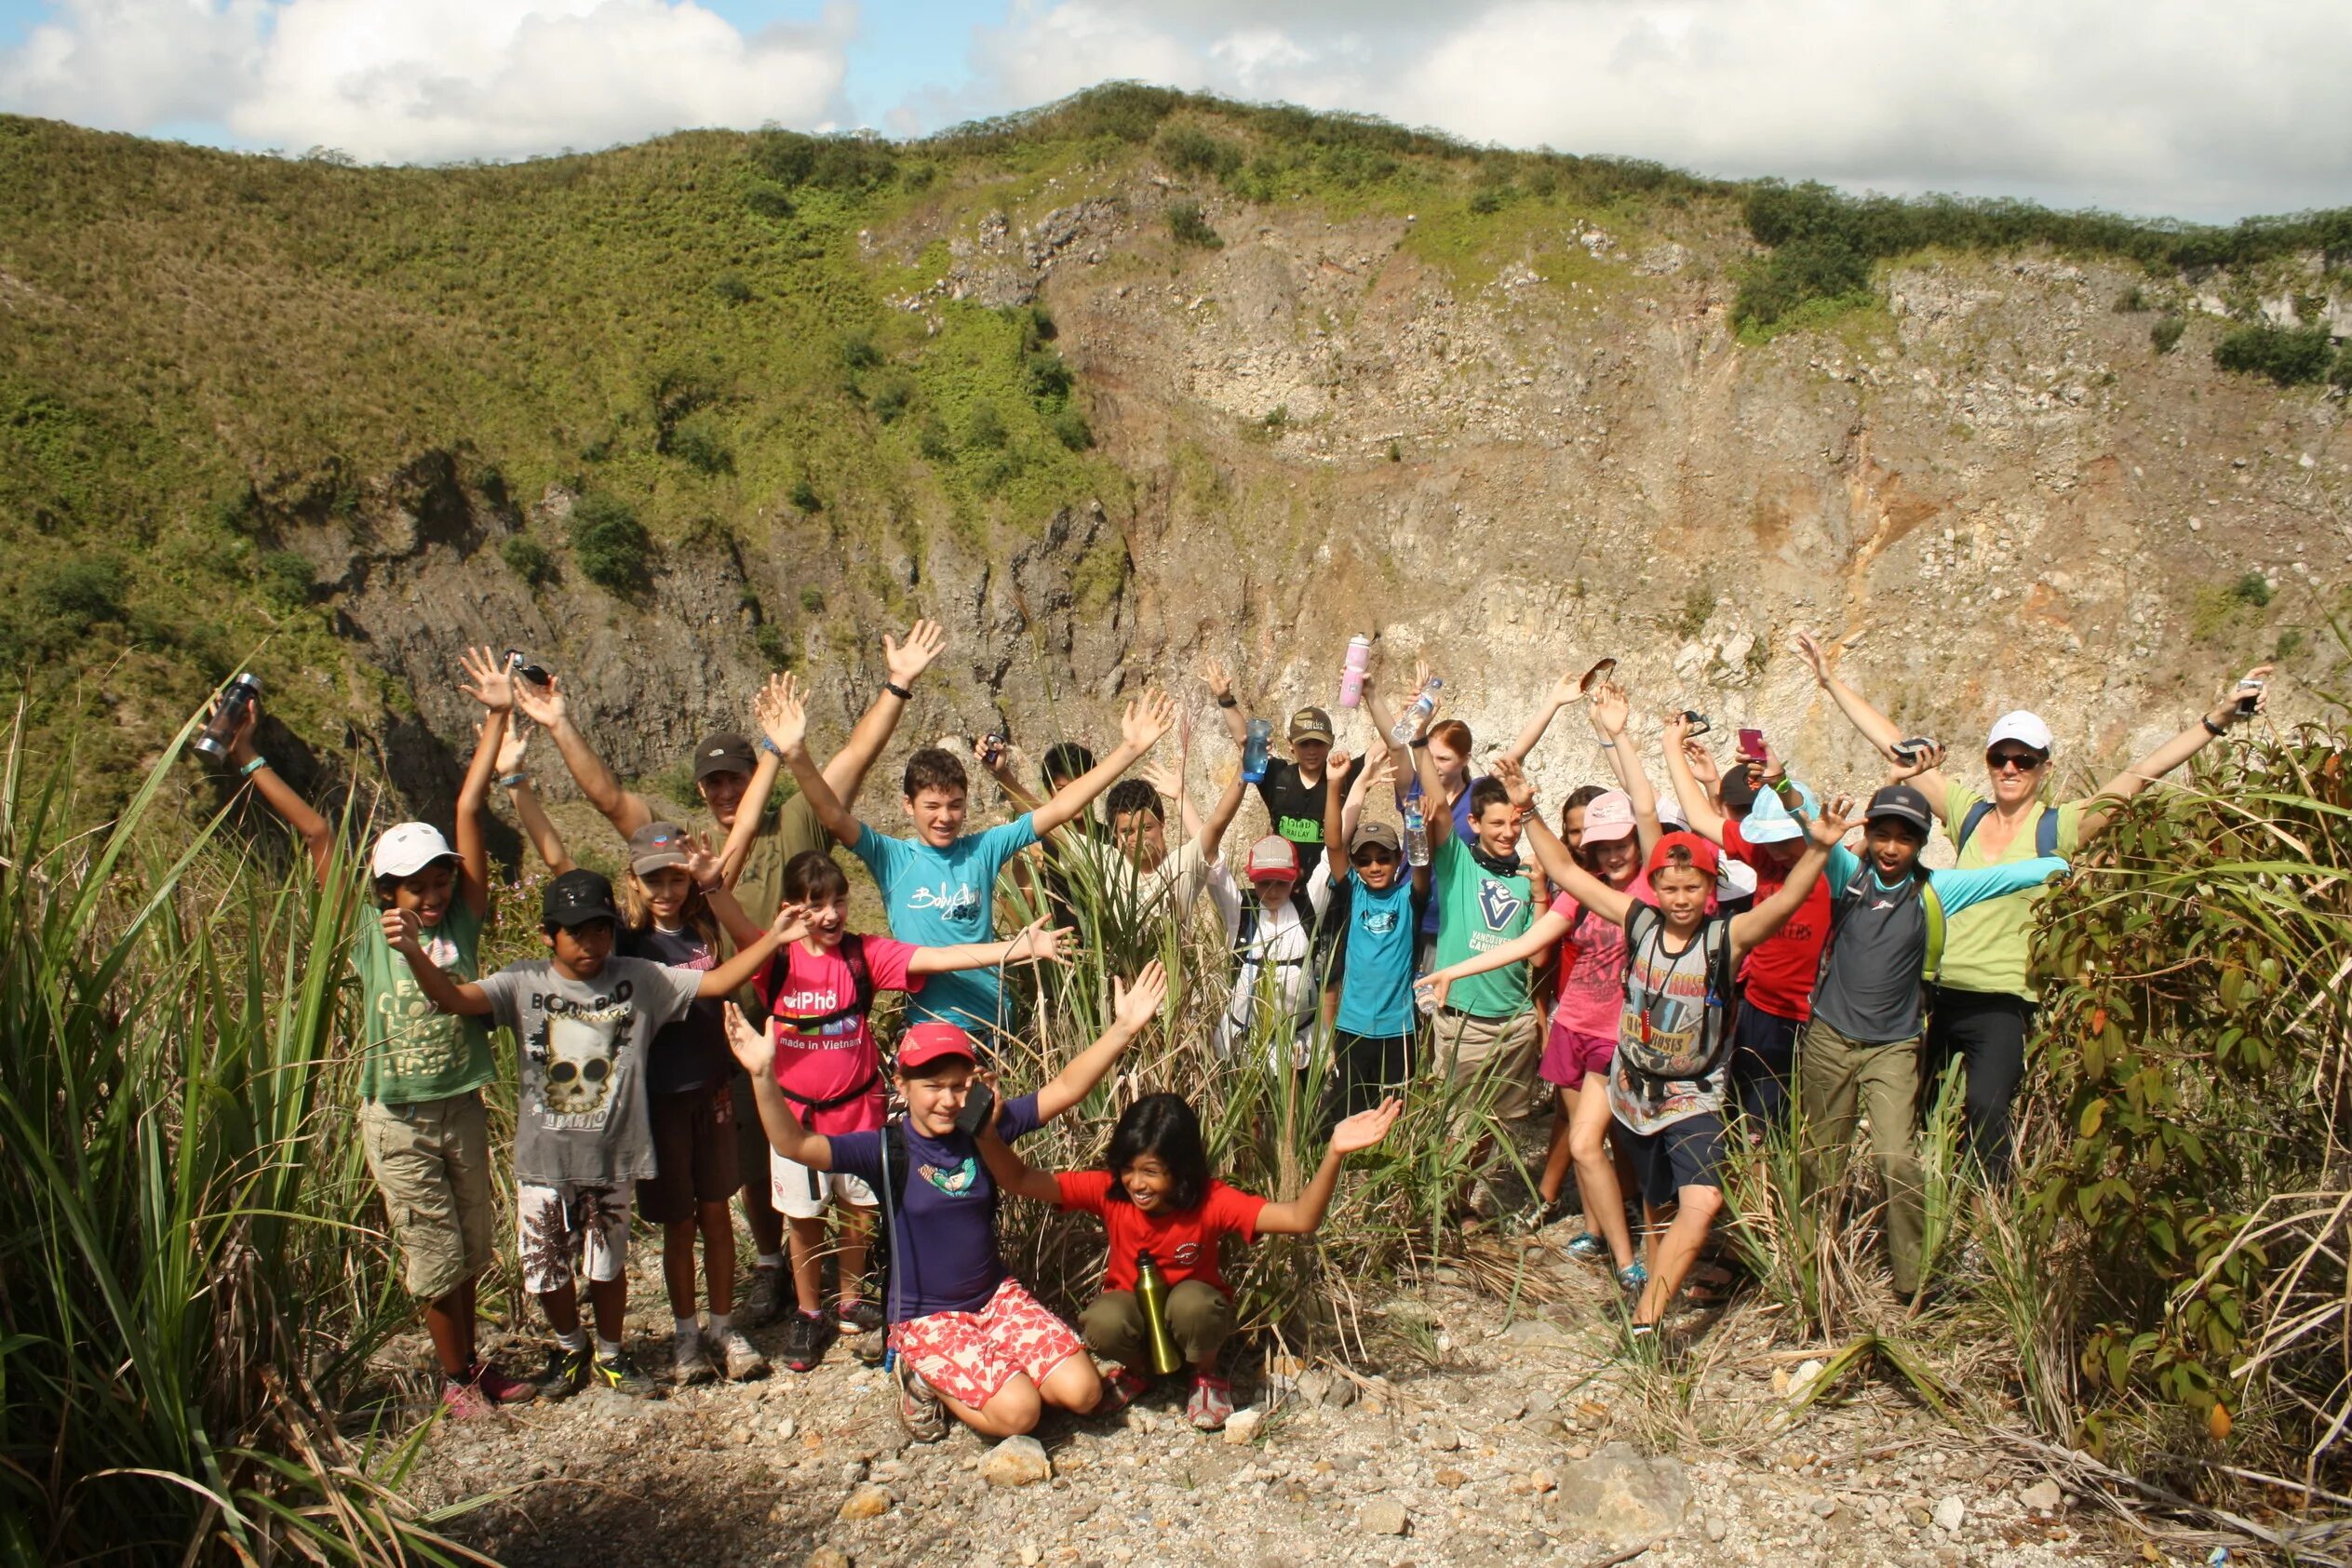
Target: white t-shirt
{"x":1275,"y":969}
{"x":1168,"y":890}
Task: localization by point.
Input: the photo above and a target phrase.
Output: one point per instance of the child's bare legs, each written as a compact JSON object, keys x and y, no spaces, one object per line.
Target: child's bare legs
{"x":1672,"y":1250}
{"x":1596,"y":1171}
{"x":1074,"y":1385}
{"x":609,"y":1300}
{"x":449,"y":1319}
{"x":677,"y":1267}
{"x":718,"y":1258}
{"x":808,"y":1261}
{"x":1556,"y":1157}
{"x":857,"y":1234}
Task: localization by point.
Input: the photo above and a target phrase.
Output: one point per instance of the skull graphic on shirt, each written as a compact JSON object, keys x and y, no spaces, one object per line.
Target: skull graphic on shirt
{"x":581,"y":1052}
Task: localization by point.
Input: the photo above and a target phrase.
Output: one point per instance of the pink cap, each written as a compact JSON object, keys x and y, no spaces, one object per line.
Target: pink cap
{"x":1272,"y":856}
{"x":926,"y":1043}
{"x":1608,"y":817}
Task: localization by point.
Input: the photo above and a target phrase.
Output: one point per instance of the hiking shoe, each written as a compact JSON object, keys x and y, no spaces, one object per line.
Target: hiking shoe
{"x":804,"y":1340}
{"x":690,"y":1363}
{"x":462,"y":1402}
{"x":1633,"y":1279}
{"x":854,"y":1317}
{"x":1212,"y":1402}
{"x":567,"y":1372}
{"x":764,"y":1302}
{"x":1535,"y":1216}
{"x":1120,"y":1388}
{"x":1588,"y":1247}
{"x":919,"y":1408}
{"x":497,"y":1387}
{"x":619,"y":1373}
{"x":742,"y":1358}
{"x":870,"y":1349}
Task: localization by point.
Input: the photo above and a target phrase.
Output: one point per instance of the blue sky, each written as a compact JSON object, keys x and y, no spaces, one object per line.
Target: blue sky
{"x":2177,"y":107}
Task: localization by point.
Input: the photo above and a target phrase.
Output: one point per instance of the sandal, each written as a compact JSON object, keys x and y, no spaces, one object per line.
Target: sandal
{"x":1120,"y":1388}
{"x":1710,"y":1285}
{"x":1212,"y":1402}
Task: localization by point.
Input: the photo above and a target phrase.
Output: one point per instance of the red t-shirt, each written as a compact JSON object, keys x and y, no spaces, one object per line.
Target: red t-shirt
{"x":1184,"y":1245}
{"x":1780,"y":969}
{"x":836,"y":1057}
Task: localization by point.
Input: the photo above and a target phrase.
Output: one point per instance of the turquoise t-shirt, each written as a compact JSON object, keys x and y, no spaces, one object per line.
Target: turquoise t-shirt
{"x":1376,"y":980}
{"x":1478,"y":911}
{"x":939,"y":898}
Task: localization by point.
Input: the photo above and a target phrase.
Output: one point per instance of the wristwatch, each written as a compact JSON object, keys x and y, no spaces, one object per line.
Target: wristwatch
{"x":2211,"y":728}
{"x":901,"y":692}
{"x":1228,"y":701}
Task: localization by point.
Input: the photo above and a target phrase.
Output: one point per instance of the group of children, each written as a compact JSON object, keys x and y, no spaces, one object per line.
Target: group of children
{"x":704,"y":1032}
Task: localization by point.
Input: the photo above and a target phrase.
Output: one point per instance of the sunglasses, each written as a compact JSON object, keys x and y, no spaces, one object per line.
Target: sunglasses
{"x":1372,"y":857}
{"x":2022,"y":761}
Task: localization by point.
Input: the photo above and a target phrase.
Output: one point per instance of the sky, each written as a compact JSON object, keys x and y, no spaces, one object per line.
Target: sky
{"x":2185,"y":108}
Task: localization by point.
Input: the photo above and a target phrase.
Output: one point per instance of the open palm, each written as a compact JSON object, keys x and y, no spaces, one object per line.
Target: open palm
{"x":1367,"y":1128}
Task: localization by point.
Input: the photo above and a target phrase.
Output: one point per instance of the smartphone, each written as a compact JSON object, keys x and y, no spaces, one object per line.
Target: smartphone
{"x":2249,"y":698}
{"x":1695,"y":722}
{"x":518,"y":664}
{"x":1752,"y":745}
{"x":993,"y":747}
{"x":1912,"y":749}
{"x":979,"y":1108}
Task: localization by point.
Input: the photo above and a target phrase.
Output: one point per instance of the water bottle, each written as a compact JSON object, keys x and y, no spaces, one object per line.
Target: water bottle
{"x":222,"y":728}
{"x":1416,"y":834}
{"x":1409,"y":725}
{"x":1351,"y":673}
{"x":1261,"y":737}
{"x":1151,"y":1294}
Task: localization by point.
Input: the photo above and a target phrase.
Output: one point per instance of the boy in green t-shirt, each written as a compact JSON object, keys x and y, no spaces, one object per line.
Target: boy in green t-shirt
{"x":422,"y":1123}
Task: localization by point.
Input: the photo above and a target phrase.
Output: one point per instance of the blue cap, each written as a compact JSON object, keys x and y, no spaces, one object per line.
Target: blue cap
{"x":1770,"y":821}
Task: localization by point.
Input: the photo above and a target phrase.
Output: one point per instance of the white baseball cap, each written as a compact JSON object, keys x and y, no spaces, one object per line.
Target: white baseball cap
{"x":408,"y":849}
{"x":2025,"y":729}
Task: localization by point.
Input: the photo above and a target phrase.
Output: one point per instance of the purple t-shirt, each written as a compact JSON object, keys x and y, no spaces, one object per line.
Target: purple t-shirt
{"x":942,"y":1237}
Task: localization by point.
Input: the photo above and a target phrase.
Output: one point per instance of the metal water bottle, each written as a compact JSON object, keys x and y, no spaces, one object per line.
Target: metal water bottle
{"x":1423,"y":705}
{"x":220,"y":730}
{"x":1151,"y":1294}
{"x":1351,"y":673}
{"x":1255,"y":749}
{"x":1417,"y":833}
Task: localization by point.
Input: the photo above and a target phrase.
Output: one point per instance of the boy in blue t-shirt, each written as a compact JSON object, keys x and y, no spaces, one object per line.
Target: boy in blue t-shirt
{"x":1374,"y":1029}
{"x":938,"y":885}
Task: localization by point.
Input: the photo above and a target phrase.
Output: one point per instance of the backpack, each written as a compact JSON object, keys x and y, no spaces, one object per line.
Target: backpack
{"x":1322,"y":931}
{"x":1655,"y":1060}
{"x":1930,"y":904}
{"x":895,"y":1166}
{"x":2045,"y":828}
{"x":862,"y":1002}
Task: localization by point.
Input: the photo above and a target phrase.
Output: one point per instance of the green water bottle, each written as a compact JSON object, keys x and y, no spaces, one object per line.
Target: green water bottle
{"x":1152,"y":1292}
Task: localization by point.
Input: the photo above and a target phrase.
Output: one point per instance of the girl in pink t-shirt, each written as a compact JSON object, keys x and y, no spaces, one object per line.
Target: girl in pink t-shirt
{"x":819,"y":991}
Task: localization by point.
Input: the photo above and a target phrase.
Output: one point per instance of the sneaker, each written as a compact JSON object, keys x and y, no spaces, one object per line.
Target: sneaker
{"x":1212,"y":1402}
{"x":567,"y":1372}
{"x":854,"y":1317}
{"x":1534,"y":1217}
{"x":764,"y":1302}
{"x":1120,"y":1388}
{"x":1588,"y":1247}
{"x":742,"y":1358}
{"x":620,"y":1373}
{"x":804,"y":1340}
{"x":1633,"y":1279}
{"x":919,"y":1408}
{"x":871,"y":1349}
{"x":463,"y":1401}
{"x":690,"y":1363}
{"x":498,"y":1388}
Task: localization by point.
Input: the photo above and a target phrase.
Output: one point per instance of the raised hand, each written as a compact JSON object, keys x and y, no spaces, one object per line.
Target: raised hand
{"x":511,"y":747}
{"x":907,"y":660}
{"x":1163,"y":778}
{"x":1808,"y":647}
{"x":1611,"y":708}
{"x":1920,"y":763}
{"x":1838,"y":818}
{"x":753,"y":1048}
{"x":2227,"y":714}
{"x":1383,"y":771}
{"x":1136,"y":1002}
{"x":1422,"y":673}
{"x":1774,"y":768}
{"x":1147,"y":719}
{"x":1367,"y":1128}
{"x":1515,"y":784}
{"x":402,"y":930}
{"x":783,"y":716}
{"x":544,"y":705}
{"x":1217,"y":678}
{"x":1674,"y":730}
{"x":701,"y":865}
{"x":486,"y":680}
{"x":790,"y":925}
{"x":241,"y":743}
{"x":1566,"y":691}
{"x":1702,"y":764}
{"x":1038,"y":942}
{"x":1337,"y":765}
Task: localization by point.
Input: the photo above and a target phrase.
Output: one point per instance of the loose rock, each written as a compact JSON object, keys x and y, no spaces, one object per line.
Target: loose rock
{"x":1019,"y":1461}
{"x":1384,"y":1516}
{"x":866,"y":1502}
{"x":1949,"y":1512}
{"x":2043,"y":1494}
{"x":1620,"y":1493}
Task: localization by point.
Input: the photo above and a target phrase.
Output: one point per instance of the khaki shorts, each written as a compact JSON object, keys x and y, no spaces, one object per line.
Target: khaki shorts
{"x":1508,"y":1048}
{"x":431,"y":1158}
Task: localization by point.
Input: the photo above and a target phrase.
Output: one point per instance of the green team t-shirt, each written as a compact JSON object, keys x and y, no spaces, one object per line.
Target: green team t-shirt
{"x":1480,"y":911}
{"x":415,"y":1052}
{"x":1990,"y":947}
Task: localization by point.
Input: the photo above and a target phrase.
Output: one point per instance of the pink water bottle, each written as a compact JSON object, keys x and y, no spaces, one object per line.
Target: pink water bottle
{"x":1351,"y":675}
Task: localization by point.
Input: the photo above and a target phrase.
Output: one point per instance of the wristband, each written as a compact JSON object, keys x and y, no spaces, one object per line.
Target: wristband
{"x":770,"y":746}
{"x":898,"y":691}
{"x":508,"y":780}
{"x":1608,"y":746}
{"x":253,"y":766}
{"x":1228,"y":701}
{"x":1420,"y":743}
{"x":2211,"y":728}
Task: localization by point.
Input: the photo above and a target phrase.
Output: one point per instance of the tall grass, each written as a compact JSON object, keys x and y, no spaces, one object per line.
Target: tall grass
{"x":185,"y":1305}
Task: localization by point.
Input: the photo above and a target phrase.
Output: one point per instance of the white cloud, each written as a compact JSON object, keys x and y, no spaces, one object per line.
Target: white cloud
{"x":424,"y":80}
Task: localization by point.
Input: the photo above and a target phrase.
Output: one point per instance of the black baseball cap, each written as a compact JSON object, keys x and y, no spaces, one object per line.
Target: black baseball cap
{"x":577,"y":898}
{"x":1739,"y":789}
{"x":723,"y":753}
{"x":1905,"y":804}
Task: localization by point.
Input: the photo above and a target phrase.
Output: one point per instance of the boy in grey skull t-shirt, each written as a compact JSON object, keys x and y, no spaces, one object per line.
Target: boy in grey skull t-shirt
{"x":583,"y":1019}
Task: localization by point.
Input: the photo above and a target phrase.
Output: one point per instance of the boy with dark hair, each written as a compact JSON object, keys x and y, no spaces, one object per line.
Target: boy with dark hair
{"x":1294,"y":790}
{"x":1380,"y":900}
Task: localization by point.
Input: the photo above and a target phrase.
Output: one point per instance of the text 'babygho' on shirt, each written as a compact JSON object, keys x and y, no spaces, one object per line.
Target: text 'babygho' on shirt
{"x":943,"y":1234}
{"x":1375,"y":966}
{"x":1480,"y":910}
{"x":1992,"y":949}
{"x":940,"y":898}
{"x":828,"y":1061}
{"x":1869,"y":987}
{"x":1273,"y":951}
{"x":691,"y":1053}
{"x":1293,"y":808}
{"x":1183,"y":1243}
{"x":415,"y":1052}
{"x":1778,"y":976}
{"x":579,"y":1119}
{"x":1669,"y":1000}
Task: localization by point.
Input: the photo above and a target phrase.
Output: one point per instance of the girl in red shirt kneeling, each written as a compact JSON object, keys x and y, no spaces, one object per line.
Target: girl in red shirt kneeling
{"x":1155,"y":1194}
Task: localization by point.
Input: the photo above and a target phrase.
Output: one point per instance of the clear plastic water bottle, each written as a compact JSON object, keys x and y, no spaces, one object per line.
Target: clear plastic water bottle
{"x":1417,"y":833}
{"x":1253,"y":749}
{"x":1409,"y":724}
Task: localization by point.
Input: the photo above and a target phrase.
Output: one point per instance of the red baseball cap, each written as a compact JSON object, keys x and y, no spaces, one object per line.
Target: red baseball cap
{"x":925,"y":1043}
{"x":1703,"y":856}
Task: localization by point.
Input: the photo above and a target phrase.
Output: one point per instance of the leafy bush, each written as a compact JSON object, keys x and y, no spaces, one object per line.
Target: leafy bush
{"x":2132,"y":300}
{"x":804,"y":496}
{"x":933,"y":442}
{"x":732,"y":288}
{"x":611,"y":546}
{"x":1048,"y":376}
{"x":2252,"y":588}
{"x":71,"y":597}
{"x":286,"y":576}
{"x":2165,"y":332}
{"x":528,"y":559}
{"x":1807,"y":268}
{"x":2340,"y":373}
{"x":698,"y":446}
{"x":1070,"y":427}
{"x":769,"y":639}
{"x":1187,"y":225}
{"x":986,"y":428}
{"x":852,"y":164}
{"x":770,"y":201}
{"x":1189,"y":150}
{"x":812,"y":599}
{"x":2289,"y":355}
{"x":890,"y":399}
{"x":859,"y":352}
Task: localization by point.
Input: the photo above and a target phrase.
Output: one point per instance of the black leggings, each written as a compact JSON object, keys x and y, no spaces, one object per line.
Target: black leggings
{"x":1986,"y":1030}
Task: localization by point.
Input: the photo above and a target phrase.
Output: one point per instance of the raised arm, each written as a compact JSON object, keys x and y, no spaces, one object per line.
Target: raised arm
{"x":1437,"y":821}
{"x":1221,"y":685}
{"x":1565,"y":692}
{"x":1010,"y":1172}
{"x":753,"y":956}
{"x":1340,"y":768}
{"x":1134,"y":1005}
{"x":1008,"y":768}
{"x":1139,"y":729}
{"x":401,"y":930}
{"x":1037,"y":942}
{"x":1752,"y":926}
{"x":1696,"y":804}
{"x":529,"y":811}
{"x":487,"y":682}
{"x":1874,"y":727}
{"x":280,"y":796}
{"x":1372,"y":776}
{"x":711,"y":880}
{"x":547,"y":706}
{"x":905,"y":661}
{"x":1304,"y":1212}
{"x":785,"y":719}
{"x":1610,"y":712}
{"x":1221,"y":816}
{"x":1558,"y":862}
{"x":755,"y":1050}
{"x":1541,"y":935}
{"x":1169,"y":783}
{"x":2209,"y":727}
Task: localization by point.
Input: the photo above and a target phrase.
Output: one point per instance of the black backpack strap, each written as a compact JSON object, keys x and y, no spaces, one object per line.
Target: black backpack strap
{"x":1976,"y":813}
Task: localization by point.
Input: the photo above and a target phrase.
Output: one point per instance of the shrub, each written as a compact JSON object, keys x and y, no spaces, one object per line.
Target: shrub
{"x":769,"y":201}
{"x":697,"y":446}
{"x":1189,"y":150}
{"x":732,"y":288}
{"x":2132,"y":300}
{"x":610,"y":543}
{"x":286,"y":576}
{"x":859,"y":352}
{"x":1048,"y":376}
{"x":804,"y":496}
{"x":850,"y":163}
{"x":933,"y":442}
{"x":2253,"y":589}
{"x":2289,"y":355}
{"x":986,"y":428}
{"x":2165,"y":333}
{"x":890,"y":399}
{"x":769,"y":639}
{"x":1070,"y":427}
{"x":1807,"y":268}
{"x":528,"y":559}
{"x":812,"y":599}
{"x":71,"y":597}
{"x":1188,"y":226}
{"x":2340,"y":373}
